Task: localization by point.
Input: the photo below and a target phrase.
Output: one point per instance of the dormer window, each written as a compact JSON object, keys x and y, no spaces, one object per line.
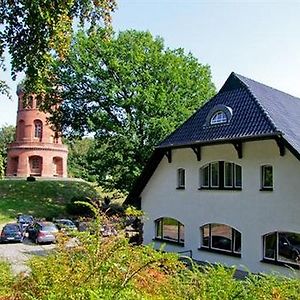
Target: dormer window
{"x":219,"y":114}
{"x":218,"y":118}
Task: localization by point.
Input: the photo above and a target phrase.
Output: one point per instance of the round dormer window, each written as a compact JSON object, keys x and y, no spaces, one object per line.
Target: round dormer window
{"x":218,"y":118}
{"x":219,"y":114}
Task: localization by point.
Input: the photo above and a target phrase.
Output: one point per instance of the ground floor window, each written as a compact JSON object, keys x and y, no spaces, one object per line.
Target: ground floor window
{"x":282,"y":247}
{"x":169,"y":230}
{"x":221,"y":238}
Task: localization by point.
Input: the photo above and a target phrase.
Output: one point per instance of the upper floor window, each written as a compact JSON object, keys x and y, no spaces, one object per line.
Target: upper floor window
{"x":267,"y":177}
{"x":221,"y":238}
{"x":180,"y":178}
{"x":38,"y":129}
{"x":219,"y":114}
{"x":218,"y":118}
{"x":282,"y":247}
{"x":221,"y":175}
{"x":169,"y":230}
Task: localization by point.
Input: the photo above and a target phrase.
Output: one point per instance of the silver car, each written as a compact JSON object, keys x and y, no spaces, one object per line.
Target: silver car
{"x":42,"y":232}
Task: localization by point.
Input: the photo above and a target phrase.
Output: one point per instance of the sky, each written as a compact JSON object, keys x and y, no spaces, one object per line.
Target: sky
{"x":257,"y":39}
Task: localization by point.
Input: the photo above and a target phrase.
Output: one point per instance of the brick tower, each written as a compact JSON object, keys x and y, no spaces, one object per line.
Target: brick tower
{"x":37,"y":150}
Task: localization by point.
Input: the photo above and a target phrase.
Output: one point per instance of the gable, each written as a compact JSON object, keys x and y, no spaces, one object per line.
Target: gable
{"x":248,"y":119}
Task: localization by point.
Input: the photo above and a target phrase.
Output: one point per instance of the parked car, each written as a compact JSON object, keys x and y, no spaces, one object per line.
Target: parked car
{"x":289,"y":247}
{"x":42,"y":232}
{"x":11,"y":233}
{"x":24,"y":221}
{"x":65,"y":225}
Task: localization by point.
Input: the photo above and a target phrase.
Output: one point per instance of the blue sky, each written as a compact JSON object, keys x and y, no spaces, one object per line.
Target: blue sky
{"x":257,"y":39}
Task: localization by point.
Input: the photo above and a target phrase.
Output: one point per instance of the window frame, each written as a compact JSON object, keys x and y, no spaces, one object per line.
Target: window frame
{"x":181,"y":179}
{"x":277,"y":260}
{"x":159,"y":236}
{"x":211,"y":248}
{"x":38,"y":129}
{"x":215,"y":119}
{"x":264,"y":186}
{"x":221,"y":176}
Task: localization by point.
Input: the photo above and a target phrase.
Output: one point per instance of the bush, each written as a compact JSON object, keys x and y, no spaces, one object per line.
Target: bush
{"x":6,"y":279}
{"x":79,"y":209}
{"x":31,"y":178}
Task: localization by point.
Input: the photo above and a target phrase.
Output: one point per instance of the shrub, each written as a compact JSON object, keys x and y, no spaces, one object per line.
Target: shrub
{"x":79,"y":209}
{"x":6,"y":279}
{"x":31,"y":178}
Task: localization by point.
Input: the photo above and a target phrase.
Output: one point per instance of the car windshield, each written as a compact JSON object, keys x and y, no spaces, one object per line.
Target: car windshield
{"x":9,"y":228}
{"x":25,"y":219}
{"x":49,"y":228}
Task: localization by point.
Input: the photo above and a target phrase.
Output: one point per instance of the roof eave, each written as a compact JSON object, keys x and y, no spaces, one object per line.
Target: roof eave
{"x":222,"y":140}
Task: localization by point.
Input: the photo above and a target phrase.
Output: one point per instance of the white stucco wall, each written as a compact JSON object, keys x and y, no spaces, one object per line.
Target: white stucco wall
{"x":251,"y":211}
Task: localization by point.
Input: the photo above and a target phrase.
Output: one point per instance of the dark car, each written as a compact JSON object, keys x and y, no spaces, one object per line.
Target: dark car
{"x":42,"y":232}
{"x":24,"y":221}
{"x":11,"y":233}
{"x":65,"y":225}
{"x":289,"y":246}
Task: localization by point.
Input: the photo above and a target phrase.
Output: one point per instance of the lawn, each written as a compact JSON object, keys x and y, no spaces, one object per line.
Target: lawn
{"x":45,"y":199}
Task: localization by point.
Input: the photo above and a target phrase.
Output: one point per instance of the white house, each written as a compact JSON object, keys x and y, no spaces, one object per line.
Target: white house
{"x":225,"y":185}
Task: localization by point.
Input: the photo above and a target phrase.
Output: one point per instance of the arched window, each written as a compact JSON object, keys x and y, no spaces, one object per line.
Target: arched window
{"x":282,"y":247}
{"x":35,"y":163}
{"x":219,"y":117}
{"x":221,"y":175}
{"x":38,"y":129}
{"x":219,"y":114}
{"x":169,"y":230}
{"x":221,"y":238}
{"x":28,"y":102}
{"x":57,"y":166}
{"x":39,"y":100}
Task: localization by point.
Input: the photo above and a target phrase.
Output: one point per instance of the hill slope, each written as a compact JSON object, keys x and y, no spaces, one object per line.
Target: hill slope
{"x":45,"y":199}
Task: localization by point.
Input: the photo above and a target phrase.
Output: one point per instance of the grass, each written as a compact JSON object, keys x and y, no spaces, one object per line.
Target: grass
{"x":45,"y":199}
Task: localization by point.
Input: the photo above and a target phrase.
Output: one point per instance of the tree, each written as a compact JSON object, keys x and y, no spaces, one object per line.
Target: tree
{"x":33,"y":31}
{"x":130,"y":92}
{"x":78,"y":158}
{"x":7,"y":136}
{"x":1,"y":167}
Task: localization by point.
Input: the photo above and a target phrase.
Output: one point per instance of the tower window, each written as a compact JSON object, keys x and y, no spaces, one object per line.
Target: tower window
{"x":38,"y":129}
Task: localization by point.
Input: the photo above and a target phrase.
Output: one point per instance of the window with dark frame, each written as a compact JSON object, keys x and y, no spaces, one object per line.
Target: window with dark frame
{"x":218,"y":117}
{"x":221,"y":238}
{"x":221,"y":175}
{"x":181,"y":178}
{"x":267,"y":177}
{"x":169,"y":230}
{"x":282,"y":248}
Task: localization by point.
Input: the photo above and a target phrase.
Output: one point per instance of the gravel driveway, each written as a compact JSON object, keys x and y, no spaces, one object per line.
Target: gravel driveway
{"x":18,"y":253}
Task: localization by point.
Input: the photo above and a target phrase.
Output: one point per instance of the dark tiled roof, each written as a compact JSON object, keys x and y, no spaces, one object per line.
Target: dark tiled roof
{"x":281,"y":108}
{"x":255,"y":114}
{"x":258,"y":111}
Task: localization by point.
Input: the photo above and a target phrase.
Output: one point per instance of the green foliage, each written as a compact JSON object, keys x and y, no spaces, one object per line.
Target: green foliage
{"x":109,"y":268}
{"x":129,"y":92}
{"x":95,"y":267}
{"x":7,"y":136}
{"x":45,"y":199}
{"x":1,"y":167}
{"x":6,"y":279}
{"x":32,"y":31}
{"x":131,"y":211}
{"x":79,"y":165}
